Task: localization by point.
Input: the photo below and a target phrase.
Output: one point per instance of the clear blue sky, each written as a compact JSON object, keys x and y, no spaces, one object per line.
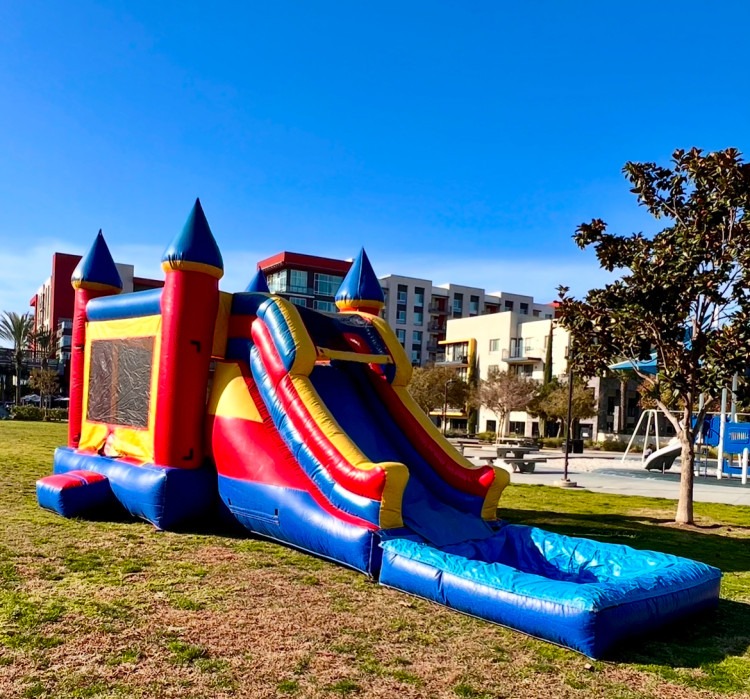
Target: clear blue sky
{"x":459,"y":141}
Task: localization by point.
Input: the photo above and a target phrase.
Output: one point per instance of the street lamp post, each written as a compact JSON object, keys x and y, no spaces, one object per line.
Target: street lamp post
{"x":565,"y":482}
{"x":445,"y":401}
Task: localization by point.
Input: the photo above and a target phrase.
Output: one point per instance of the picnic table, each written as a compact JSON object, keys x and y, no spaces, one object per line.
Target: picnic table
{"x":463,"y":443}
{"x":517,"y":456}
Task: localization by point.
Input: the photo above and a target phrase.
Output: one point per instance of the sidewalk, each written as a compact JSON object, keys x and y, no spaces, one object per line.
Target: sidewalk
{"x":605,"y":473}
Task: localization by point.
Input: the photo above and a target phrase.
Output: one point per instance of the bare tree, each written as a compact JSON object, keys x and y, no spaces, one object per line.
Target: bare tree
{"x":503,"y":392}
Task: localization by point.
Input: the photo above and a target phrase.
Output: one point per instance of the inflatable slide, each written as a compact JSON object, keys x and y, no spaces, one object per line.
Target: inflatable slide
{"x":299,"y":425}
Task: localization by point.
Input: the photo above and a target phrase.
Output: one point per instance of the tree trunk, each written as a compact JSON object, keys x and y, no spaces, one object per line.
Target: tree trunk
{"x":687,"y":459}
{"x":623,"y":406}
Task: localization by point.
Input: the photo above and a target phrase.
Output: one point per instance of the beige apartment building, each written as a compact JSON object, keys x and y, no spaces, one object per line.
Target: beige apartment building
{"x":419,"y":311}
{"x":511,"y":342}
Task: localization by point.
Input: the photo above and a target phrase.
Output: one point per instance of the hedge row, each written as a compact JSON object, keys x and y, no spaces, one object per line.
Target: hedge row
{"x":32,"y":413}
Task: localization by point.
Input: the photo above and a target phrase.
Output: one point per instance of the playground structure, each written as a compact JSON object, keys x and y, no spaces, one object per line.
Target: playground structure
{"x":188,"y":403}
{"x":721,"y":431}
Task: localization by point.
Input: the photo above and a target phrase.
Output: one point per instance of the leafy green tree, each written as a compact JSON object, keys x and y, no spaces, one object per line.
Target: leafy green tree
{"x":16,"y":328}
{"x":683,"y":293}
{"x":551,"y":401}
{"x":502,"y":393}
{"x":428,"y":388}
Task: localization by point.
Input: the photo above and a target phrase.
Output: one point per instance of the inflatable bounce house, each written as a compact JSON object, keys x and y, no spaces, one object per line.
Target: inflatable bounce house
{"x":299,"y":424}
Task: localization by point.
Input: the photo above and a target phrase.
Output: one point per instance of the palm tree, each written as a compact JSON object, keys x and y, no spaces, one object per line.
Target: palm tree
{"x":17,"y":328}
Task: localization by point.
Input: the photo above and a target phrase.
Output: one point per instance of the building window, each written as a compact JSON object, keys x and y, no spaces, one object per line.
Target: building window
{"x":548,"y":316}
{"x":493,"y":369}
{"x":401,"y":317}
{"x":535,"y":313}
{"x":325,"y":306}
{"x":276,"y":282}
{"x":416,"y":355}
{"x":458,"y":305}
{"x":418,"y":317}
{"x":490,"y":426}
{"x":297,"y":301}
{"x":473,"y":305}
{"x":419,"y":296}
{"x":402,"y":293}
{"x":401,"y":336}
{"x":416,"y":337}
{"x":495,"y":345}
{"x":298,"y":281}
{"x":517,"y":427}
{"x":327,"y":284}
{"x":508,"y":305}
{"x":524,"y":307}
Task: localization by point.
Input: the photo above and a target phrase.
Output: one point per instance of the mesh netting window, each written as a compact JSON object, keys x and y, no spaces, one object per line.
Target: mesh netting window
{"x":120,"y":381}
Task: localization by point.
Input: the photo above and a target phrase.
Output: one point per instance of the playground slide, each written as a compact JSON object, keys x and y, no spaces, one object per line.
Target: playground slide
{"x":662,"y":459}
{"x":289,"y":481}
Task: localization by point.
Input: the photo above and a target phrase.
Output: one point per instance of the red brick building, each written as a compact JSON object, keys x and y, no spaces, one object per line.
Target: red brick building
{"x":53,"y":303}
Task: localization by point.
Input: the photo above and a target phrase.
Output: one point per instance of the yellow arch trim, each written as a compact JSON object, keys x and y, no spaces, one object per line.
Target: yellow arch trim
{"x":187,"y":266}
{"x":126,"y":441}
{"x":230,"y":396}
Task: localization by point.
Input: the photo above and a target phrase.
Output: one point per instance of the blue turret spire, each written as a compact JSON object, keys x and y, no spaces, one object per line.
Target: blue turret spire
{"x":194,"y":249}
{"x":258,"y":283}
{"x":360,"y":290}
{"x":97,"y":270}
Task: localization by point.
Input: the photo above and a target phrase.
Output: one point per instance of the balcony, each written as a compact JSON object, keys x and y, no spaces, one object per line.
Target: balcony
{"x":456,"y":361}
{"x":436,"y":308}
{"x":432,"y":348}
{"x":526,"y":354}
{"x":435,"y":327}
{"x":293,"y":289}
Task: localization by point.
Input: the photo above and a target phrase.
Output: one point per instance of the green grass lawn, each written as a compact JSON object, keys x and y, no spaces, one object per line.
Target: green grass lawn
{"x":117,"y":609}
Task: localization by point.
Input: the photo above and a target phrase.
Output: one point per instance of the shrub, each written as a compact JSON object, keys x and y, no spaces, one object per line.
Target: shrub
{"x":28,"y":413}
{"x":486,"y":436}
{"x":57,"y":415}
{"x":616,"y":445}
{"x":551,"y":442}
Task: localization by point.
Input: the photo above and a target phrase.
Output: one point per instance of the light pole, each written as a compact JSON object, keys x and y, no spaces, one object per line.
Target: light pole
{"x":445,"y":401}
{"x":565,"y":482}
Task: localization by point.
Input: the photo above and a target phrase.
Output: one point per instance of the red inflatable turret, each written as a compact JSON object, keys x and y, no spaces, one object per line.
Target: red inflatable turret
{"x":189,"y":304}
{"x":96,"y":275}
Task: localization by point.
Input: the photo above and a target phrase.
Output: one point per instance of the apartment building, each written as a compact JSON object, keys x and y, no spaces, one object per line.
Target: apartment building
{"x":510,"y":341}
{"x":305,"y":280}
{"x":415,"y":308}
{"x":419,"y":311}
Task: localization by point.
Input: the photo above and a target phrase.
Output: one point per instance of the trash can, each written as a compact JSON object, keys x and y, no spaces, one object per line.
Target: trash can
{"x":574,"y":446}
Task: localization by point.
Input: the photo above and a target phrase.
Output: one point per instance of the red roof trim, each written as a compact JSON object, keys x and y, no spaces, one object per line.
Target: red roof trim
{"x":297,"y":259}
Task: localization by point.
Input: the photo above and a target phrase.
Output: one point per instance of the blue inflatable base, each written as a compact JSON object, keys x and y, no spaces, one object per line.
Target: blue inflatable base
{"x":577,"y":593}
{"x":75,"y":493}
{"x":293,"y":517}
{"x":167,"y":497}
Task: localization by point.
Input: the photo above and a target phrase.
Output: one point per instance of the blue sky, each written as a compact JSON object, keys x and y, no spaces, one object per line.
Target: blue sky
{"x":456,"y":141}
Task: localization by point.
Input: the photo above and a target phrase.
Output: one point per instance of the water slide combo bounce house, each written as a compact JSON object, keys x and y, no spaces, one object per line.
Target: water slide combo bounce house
{"x":186,"y":400}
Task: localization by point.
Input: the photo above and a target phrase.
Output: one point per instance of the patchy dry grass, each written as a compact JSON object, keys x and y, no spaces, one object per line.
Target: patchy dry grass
{"x":116,"y":609}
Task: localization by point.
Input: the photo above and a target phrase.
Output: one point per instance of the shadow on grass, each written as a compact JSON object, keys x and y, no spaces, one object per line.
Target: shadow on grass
{"x":703,"y":640}
{"x":700,"y":641}
{"x":729,"y":554}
